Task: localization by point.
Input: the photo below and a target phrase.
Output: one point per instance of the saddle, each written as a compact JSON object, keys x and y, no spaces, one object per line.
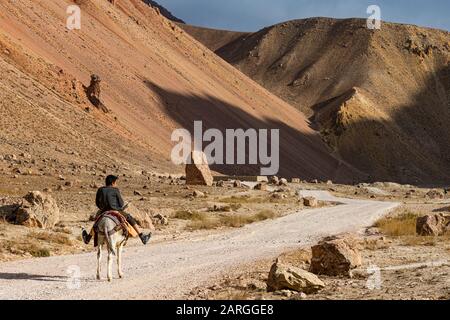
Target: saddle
{"x":121,"y":224}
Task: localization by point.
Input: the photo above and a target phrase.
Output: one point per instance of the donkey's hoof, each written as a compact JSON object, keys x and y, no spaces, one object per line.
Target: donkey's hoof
{"x":120,"y":276}
{"x":109,"y":279}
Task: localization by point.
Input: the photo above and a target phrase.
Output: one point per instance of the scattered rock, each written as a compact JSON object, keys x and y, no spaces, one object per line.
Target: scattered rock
{"x":274,"y":180}
{"x":198,"y":172}
{"x":237,"y":184}
{"x":296,"y":180}
{"x":283,"y":182}
{"x":279,"y":196}
{"x":220,"y":208}
{"x":435,"y":194}
{"x":10,"y":157}
{"x":198,"y":194}
{"x":261,"y":187}
{"x":38,"y":211}
{"x":284,"y":277}
{"x":137,"y":193}
{"x":162,"y":220}
{"x":335,"y":258}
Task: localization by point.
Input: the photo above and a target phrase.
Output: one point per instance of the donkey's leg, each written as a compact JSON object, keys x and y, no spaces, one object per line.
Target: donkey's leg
{"x":110,"y":260}
{"x":119,"y":260}
{"x":99,"y":260}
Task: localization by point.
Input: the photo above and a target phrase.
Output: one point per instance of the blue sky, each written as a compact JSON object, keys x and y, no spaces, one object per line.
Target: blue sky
{"x":252,"y":15}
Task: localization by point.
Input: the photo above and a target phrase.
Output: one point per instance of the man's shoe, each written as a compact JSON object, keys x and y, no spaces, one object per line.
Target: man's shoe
{"x":86,"y":237}
{"x":145,"y":238}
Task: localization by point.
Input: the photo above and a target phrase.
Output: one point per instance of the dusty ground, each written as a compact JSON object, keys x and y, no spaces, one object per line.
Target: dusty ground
{"x":245,"y":274}
{"x":411,"y":267}
{"x":172,"y":269}
{"x":158,"y":194}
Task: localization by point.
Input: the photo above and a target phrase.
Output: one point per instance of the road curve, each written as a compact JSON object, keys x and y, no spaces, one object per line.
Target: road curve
{"x":171,"y":270}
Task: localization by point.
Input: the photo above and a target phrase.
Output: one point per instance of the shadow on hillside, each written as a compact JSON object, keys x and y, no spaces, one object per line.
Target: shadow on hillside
{"x":412,"y":147}
{"x":303,"y":156}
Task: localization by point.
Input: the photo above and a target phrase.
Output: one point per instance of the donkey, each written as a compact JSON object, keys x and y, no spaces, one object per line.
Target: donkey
{"x":114,"y":241}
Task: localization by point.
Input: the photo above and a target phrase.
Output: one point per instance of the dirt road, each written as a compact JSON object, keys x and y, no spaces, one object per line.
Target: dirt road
{"x":171,"y":270}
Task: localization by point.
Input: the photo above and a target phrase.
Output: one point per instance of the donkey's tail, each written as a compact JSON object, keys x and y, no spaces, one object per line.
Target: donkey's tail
{"x":108,"y":241}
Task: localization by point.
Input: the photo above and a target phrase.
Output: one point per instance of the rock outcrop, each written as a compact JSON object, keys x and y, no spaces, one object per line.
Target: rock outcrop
{"x":197,"y":171}
{"x":335,"y":258}
{"x":93,"y":93}
{"x":284,"y":277}
{"x":38,"y":210}
{"x":432,"y":225}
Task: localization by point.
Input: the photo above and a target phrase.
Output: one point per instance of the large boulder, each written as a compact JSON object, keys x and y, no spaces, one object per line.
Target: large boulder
{"x":142,"y":218}
{"x":310,"y":202}
{"x":284,"y":277}
{"x":197,"y":171}
{"x":432,"y":225}
{"x":335,"y":258}
{"x":37,"y":210}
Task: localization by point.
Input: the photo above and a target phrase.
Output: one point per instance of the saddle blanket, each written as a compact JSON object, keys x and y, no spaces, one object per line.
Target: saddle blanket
{"x":121,"y":223}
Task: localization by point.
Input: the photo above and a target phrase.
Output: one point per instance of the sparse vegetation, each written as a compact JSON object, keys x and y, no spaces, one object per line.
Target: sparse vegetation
{"x":63,"y":230}
{"x":50,"y":237}
{"x":190,"y":215}
{"x":403,"y":224}
{"x":242,"y":200}
{"x":204,"y":221}
{"x":33,"y":249}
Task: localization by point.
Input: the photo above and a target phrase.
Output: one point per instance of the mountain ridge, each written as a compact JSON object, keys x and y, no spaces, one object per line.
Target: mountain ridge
{"x":400,"y":73}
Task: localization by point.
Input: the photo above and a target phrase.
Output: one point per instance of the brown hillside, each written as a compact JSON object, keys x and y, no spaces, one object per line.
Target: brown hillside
{"x":155,"y":78}
{"x":380,"y":98}
{"x":212,"y":38}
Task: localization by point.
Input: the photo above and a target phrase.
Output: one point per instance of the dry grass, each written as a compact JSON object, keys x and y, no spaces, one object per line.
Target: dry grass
{"x":205,"y":224}
{"x":27,"y":247}
{"x":242,"y":200}
{"x":50,"y":237}
{"x":400,"y":225}
{"x":403,"y":226}
{"x":204,"y":221}
{"x":63,"y":230}
{"x":190,"y":215}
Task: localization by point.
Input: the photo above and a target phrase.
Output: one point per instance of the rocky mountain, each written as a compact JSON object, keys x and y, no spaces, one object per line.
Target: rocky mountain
{"x":155,"y":78}
{"x":380,"y":98}
{"x":166,"y":13}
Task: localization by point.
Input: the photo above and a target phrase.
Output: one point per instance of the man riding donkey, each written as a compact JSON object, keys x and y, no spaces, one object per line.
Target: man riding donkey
{"x":109,"y":201}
